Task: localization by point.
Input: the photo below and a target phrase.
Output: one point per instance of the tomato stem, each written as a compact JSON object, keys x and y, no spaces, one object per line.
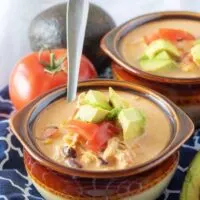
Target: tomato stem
{"x":52,"y":61}
{"x":54,"y":65}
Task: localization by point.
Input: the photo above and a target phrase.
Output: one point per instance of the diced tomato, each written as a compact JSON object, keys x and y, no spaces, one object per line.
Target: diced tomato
{"x":50,"y":132}
{"x":84,"y":129}
{"x":173,"y":35}
{"x":106,"y":131}
{"x":96,"y":135}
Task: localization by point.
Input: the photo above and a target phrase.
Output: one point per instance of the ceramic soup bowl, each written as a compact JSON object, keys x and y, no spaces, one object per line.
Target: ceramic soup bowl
{"x":185,"y":92}
{"x":147,"y":185}
{"x":146,"y":181}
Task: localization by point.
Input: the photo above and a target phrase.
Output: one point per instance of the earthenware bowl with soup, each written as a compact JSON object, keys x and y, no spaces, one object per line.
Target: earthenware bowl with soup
{"x":111,"y":133}
{"x":160,"y":51}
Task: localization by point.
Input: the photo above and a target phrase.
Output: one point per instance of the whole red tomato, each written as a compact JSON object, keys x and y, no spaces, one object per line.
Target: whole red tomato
{"x":37,"y":73}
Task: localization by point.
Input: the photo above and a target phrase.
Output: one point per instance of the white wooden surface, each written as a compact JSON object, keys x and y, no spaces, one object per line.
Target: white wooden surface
{"x":15,"y":16}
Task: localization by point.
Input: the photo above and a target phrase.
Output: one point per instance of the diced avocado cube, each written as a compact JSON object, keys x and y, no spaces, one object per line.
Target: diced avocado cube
{"x":81,"y":98}
{"x":89,"y":113}
{"x":195,"y":51}
{"x":161,"y":45}
{"x":117,"y":100}
{"x":95,"y":98}
{"x":163,"y":55}
{"x":153,"y":65}
{"x":132,"y":121}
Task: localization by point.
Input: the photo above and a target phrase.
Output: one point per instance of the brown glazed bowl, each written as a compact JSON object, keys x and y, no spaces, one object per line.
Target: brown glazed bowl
{"x":21,"y":125}
{"x":180,"y":124}
{"x":185,"y":92}
{"x":146,"y":186}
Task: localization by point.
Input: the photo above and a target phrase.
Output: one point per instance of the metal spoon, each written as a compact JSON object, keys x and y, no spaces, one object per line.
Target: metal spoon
{"x":77,"y":13}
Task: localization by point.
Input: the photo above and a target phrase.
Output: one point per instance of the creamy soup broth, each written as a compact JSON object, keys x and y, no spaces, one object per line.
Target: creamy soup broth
{"x":150,"y":144}
{"x":132,"y":45}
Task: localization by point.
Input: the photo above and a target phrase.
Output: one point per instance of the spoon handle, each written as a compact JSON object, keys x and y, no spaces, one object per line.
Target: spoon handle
{"x":77,"y":13}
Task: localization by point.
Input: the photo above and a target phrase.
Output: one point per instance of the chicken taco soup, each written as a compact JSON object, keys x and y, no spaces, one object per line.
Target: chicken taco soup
{"x":102,"y":130}
{"x":169,"y":48}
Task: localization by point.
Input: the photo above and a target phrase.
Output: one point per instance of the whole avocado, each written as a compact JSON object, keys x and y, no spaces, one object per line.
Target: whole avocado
{"x":48,"y":29}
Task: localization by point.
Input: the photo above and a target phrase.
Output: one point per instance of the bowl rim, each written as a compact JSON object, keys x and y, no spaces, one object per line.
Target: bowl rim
{"x":109,"y":44}
{"x":183,"y":128}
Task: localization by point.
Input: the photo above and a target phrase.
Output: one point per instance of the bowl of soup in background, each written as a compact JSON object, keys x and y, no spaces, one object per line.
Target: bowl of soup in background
{"x":51,"y":177}
{"x":181,"y":87}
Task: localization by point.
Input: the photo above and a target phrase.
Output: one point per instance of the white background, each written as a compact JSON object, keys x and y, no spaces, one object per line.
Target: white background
{"x":15,"y":17}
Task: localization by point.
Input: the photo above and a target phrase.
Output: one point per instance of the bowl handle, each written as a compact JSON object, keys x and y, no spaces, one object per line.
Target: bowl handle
{"x":185,"y":128}
{"x":17,"y":124}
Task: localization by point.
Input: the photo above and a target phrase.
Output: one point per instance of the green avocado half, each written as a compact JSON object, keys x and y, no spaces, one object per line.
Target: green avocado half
{"x":191,"y":186}
{"x":48,"y":29}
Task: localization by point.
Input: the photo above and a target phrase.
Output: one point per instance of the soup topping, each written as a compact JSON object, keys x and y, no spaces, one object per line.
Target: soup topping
{"x":168,"y":49}
{"x":173,"y":35}
{"x":165,"y":48}
{"x":103,"y":132}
